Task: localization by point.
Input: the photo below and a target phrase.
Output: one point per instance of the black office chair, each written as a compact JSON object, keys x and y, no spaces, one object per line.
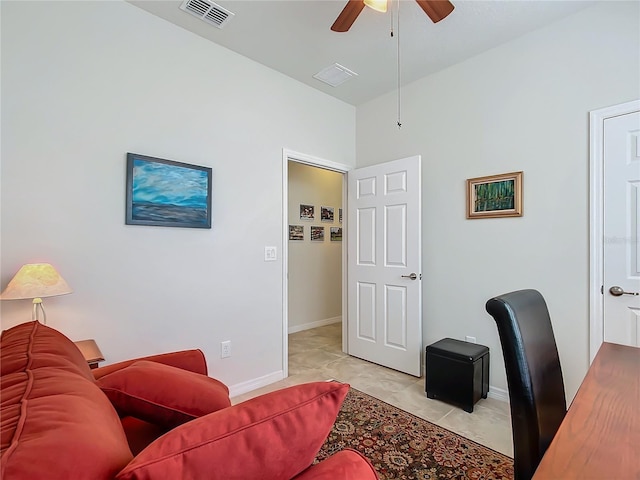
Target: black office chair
{"x":534,"y":376}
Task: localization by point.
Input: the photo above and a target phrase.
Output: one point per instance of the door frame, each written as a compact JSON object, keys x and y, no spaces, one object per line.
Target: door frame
{"x":596,"y":218}
{"x":290,"y":155}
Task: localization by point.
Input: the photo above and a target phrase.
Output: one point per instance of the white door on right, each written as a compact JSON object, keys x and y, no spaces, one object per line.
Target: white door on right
{"x":622,"y":229}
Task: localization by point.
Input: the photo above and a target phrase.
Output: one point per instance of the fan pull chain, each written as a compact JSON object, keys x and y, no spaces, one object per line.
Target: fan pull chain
{"x":391,"y":20}
{"x":399,"y":82}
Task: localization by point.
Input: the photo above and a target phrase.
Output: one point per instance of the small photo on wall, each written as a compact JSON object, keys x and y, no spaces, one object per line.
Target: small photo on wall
{"x":326,"y":214}
{"x":340,"y":215}
{"x":296,"y":232}
{"x":307,"y":212}
{"x":317,"y":234}
{"x":336,"y":234}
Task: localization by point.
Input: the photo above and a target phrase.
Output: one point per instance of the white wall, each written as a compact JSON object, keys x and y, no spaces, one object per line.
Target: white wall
{"x":85,"y":82}
{"x":521,"y":106}
{"x":315,"y":268}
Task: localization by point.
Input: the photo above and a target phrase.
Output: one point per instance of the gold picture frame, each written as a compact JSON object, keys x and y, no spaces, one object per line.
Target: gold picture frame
{"x":495,"y":196}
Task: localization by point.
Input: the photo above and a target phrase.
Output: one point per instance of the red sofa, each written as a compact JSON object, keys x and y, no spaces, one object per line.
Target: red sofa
{"x":160,"y":417}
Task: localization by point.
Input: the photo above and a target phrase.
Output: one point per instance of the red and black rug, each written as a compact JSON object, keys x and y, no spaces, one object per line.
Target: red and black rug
{"x":403,"y":446}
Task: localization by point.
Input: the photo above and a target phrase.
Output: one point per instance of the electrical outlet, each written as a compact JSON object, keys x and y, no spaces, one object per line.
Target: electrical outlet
{"x":225,"y":349}
{"x":470,"y":339}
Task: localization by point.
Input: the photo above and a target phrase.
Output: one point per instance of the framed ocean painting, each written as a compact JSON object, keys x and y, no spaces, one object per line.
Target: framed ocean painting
{"x":167,"y":193}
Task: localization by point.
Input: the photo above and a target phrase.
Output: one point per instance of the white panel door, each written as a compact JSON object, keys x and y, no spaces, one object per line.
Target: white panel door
{"x":384,"y":264}
{"x":622,"y":229}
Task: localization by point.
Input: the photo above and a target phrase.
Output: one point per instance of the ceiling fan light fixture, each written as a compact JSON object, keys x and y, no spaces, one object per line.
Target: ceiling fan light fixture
{"x":377,"y":5}
{"x":435,"y":9}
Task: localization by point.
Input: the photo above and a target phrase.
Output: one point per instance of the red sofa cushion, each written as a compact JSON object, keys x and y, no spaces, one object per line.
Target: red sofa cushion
{"x":345,"y":464}
{"x":163,"y":394}
{"x":272,"y":437}
{"x":56,"y":422}
{"x":32,"y":345}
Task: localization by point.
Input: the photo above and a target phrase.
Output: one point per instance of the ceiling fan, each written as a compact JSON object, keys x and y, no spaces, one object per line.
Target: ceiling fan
{"x":435,"y":9}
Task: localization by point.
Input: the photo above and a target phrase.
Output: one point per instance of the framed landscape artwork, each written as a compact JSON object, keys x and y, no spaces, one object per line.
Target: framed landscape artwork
{"x":167,"y":193}
{"x":495,"y":196}
{"x":335,"y":234}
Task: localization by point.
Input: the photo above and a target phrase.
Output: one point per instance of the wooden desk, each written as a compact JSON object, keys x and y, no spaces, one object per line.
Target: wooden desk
{"x":600,"y":436}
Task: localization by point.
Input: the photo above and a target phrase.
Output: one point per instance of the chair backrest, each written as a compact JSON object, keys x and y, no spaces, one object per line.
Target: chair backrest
{"x":534,"y":376}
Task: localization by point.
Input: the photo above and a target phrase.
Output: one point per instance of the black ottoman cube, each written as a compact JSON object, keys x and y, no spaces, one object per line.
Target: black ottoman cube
{"x":457,"y":372}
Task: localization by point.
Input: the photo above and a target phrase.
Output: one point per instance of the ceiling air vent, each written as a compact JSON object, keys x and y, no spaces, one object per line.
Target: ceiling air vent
{"x":335,"y":75}
{"x":208,"y":11}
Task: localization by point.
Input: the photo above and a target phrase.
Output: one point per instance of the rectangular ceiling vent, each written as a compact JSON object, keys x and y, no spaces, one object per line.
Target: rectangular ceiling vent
{"x":208,"y":11}
{"x":335,"y":75}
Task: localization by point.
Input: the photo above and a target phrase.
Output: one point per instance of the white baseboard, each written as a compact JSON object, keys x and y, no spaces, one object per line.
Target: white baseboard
{"x":498,"y":393}
{"x":255,"y":383}
{"x":316,"y":324}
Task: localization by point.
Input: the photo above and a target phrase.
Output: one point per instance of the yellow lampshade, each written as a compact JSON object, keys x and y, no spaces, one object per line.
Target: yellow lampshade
{"x":36,"y":280}
{"x":377,"y":5}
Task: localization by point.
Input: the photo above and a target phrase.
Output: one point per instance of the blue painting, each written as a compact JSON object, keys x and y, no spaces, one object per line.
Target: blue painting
{"x":167,"y":193}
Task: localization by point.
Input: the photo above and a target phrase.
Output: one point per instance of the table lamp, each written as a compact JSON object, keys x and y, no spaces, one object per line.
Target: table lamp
{"x":36,"y":280}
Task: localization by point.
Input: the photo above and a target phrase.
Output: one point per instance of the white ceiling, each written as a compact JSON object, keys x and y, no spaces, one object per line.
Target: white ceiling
{"x":294,"y":37}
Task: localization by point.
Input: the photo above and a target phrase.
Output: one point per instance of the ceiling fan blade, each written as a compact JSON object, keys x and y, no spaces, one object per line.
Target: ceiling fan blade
{"x":436,"y":9}
{"x":348,"y":16}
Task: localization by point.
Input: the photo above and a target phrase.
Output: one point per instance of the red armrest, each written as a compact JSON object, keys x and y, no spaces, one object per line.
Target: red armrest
{"x":192,"y":360}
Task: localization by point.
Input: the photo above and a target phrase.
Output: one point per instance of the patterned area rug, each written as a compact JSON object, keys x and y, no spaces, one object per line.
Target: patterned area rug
{"x":403,"y":446}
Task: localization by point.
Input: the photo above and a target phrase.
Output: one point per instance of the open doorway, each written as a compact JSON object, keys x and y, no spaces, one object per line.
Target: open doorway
{"x":314,"y":256}
{"x":314,"y":253}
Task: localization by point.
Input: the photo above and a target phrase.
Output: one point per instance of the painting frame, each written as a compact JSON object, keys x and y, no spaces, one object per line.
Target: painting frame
{"x":307,"y":212}
{"x":317,"y":233}
{"x":484,"y":198}
{"x":296,"y":233}
{"x":166,"y":193}
{"x":327,"y":214}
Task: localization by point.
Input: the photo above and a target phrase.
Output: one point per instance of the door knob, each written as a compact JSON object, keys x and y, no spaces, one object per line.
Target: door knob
{"x":413,"y":276}
{"x":616,"y":291}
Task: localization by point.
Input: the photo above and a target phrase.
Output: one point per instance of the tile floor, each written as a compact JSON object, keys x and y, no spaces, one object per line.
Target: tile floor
{"x":316,"y":355}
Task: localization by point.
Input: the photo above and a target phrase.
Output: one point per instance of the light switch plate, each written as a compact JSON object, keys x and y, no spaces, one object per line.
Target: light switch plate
{"x":270,"y":254}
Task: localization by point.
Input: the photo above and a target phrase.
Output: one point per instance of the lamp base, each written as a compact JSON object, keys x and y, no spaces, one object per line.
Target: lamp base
{"x":37,"y":303}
